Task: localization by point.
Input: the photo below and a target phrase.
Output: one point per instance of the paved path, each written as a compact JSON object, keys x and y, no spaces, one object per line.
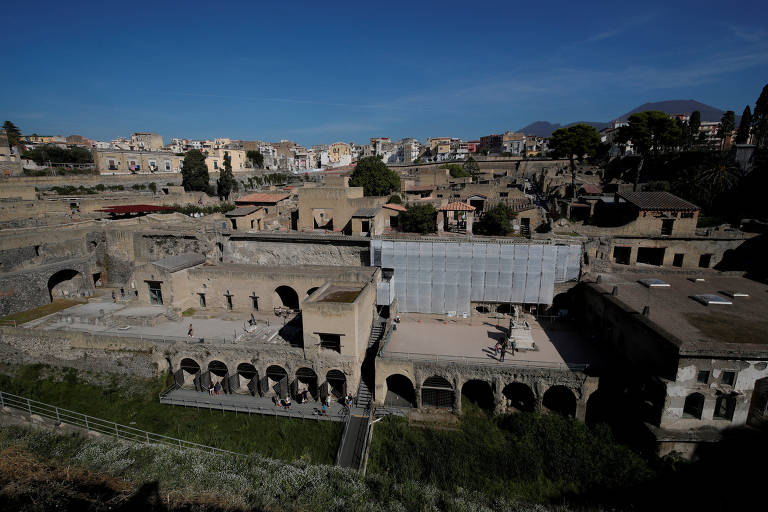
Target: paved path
{"x":251,"y":405}
{"x":353,"y":440}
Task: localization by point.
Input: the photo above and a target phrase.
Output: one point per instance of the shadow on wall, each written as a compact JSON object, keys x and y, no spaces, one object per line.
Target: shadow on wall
{"x":749,"y":257}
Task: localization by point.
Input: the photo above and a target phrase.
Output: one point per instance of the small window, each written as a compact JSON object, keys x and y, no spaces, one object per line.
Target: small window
{"x":678,"y":259}
{"x":705,"y":260}
{"x":503,"y":194}
{"x":330,"y":341}
{"x":729,"y":378}
{"x":155,"y":293}
{"x":703,"y":376}
{"x":202,"y":299}
{"x":215,"y":164}
{"x":167,"y":165}
{"x":724,"y":407}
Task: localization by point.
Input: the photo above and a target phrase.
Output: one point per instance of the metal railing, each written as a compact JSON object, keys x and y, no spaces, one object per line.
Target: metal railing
{"x":476,"y":360}
{"x":11,"y":323}
{"x":102,"y":426}
{"x":221,"y":405}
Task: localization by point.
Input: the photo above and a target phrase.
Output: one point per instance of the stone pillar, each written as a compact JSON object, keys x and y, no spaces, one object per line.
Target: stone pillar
{"x":470,"y":221}
{"x":499,"y":402}
{"x":457,"y":395}
{"x":633,"y":255}
{"x":418,"y":396}
{"x":581,"y":409}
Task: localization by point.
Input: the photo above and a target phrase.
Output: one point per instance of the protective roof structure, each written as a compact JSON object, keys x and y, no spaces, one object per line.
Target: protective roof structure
{"x":135,"y":208}
{"x":657,"y":201}
{"x":242,"y":211}
{"x":262,"y":197}
{"x":457,"y":207}
{"x":366,"y":212}
{"x":180,"y":261}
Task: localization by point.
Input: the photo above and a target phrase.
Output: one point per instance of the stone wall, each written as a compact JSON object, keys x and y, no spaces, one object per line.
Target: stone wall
{"x":295,"y":253}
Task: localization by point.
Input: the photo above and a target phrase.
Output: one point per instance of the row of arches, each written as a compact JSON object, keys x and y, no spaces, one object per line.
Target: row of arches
{"x":274,"y":379}
{"x":439,"y":392}
{"x":725,"y":404}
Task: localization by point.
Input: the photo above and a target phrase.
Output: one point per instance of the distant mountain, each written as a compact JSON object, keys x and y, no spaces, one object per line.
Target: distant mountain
{"x":708,"y":112}
{"x":545,"y":129}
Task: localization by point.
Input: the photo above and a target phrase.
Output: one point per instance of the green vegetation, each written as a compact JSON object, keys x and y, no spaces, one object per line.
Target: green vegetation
{"x":395,"y":199}
{"x":60,"y":171}
{"x":13,"y":133}
{"x":152,"y":187}
{"x":495,"y":222}
{"x":275,"y":178}
{"x":760,"y":120}
{"x":225,"y":182}
{"x":742,"y":135}
{"x":69,"y":190}
{"x":456,"y":170}
{"x":45,"y":153}
{"x":194,"y":172}
{"x":542,"y":458}
{"x":186,"y":209}
{"x":375,"y":177}
{"x":575,"y":141}
{"x":133,"y":401}
{"x":256,"y":158}
{"x":188,"y":312}
{"x":471,"y":167}
{"x":44,"y":471}
{"x":139,"y":186}
{"x":39,"y":312}
{"x":419,"y":218}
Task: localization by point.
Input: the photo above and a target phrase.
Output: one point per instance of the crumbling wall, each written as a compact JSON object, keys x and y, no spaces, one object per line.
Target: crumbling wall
{"x":290,"y":253}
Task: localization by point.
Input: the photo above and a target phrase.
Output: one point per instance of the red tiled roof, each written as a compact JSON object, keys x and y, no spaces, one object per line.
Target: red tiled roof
{"x":658,"y":201}
{"x":136,"y":208}
{"x":262,"y":197}
{"x":591,"y":189}
{"x":391,"y":206}
{"x":456,"y":207}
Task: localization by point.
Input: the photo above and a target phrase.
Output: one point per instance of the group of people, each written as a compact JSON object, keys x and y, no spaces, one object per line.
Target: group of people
{"x":214,"y":389}
{"x":501,"y":348}
{"x":282,"y":402}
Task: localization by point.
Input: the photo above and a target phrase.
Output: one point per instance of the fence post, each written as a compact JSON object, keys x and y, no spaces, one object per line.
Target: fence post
{"x":147,"y":435}
{"x":117,"y":433}
{"x":29,"y":406}
{"x":86,"y":423}
{"x":2,"y":403}
{"x":58,"y":418}
{"x":179,"y":444}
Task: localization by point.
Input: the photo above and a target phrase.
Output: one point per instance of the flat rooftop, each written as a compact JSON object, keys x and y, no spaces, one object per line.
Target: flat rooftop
{"x":311,"y":270}
{"x":472,"y":340}
{"x":339,"y":293}
{"x":697,"y":325}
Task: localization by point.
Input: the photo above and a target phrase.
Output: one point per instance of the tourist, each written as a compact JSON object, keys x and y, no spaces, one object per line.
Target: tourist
{"x":304,"y":397}
{"x":275,"y":401}
{"x":252,"y":321}
{"x":190,"y":332}
{"x":122,"y":293}
{"x":288,"y":401}
{"x":217,"y":388}
{"x":114,"y":297}
{"x":503,"y":351}
{"x":496,"y":348}
{"x":323,"y":410}
{"x":328,"y":400}
{"x":210,"y":388}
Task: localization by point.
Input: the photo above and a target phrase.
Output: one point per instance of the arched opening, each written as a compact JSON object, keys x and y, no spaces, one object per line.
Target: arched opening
{"x":478,"y":392}
{"x":217,"y":368}
{"x":400,"y":392}
{"x":694,"y":406}
{"x":560,"y":400}
{"x":437,"y":392}
{"x":337,"y":382}
{"x":725,"y":405}
{"x":306,"y":379}
{"x":598,"y":408}
{"x":505,"y":308}
{"x":312,"y":290}
{"x":519,"y":397}
{"x":277,"y":380}
{"x":66,"y":283}
{"x":246,"y":371}
{"x":287,"y":296}
{"x":247,"y":377}
{"x":189,"y":366}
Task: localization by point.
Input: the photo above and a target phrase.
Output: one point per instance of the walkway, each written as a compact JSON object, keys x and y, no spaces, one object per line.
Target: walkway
{"x":248,"y":404}
{"x":354,"y":440}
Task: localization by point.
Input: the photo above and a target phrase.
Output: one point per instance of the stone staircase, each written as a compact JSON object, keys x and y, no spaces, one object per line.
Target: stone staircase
{"x":364,"y":395}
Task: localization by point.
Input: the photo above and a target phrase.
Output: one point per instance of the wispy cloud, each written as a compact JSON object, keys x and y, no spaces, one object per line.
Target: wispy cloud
{"x":749,"y":34}
{"x":620,"y":28}
{"x":300,"y":101}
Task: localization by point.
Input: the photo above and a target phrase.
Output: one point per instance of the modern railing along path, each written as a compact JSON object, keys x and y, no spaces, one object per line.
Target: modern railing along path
{"x":102,"y":426}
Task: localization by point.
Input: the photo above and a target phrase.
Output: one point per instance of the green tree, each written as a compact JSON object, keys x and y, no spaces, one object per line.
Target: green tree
{"x":194,"y":172}
{"x":575,"y":141}
{"x":375,"y":177}
{"x":456,"y":170}
{"x":650,"y":132}
{"x":471,"y":167}
{"x":760,"y":120}
{"x":727,"y":125}
{"x":256,"y":158}
{"x":742,"y":136}
{"x":495,"y":222}
{"x":419,"y":218}
{"x":395,"y":199}
{"x":225,"y":182}
{"x":153,"y":187}
{"x":13,"y":133}
{"x":695,"y":124}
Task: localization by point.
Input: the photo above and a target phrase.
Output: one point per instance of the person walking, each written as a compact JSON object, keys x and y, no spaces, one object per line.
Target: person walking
{"x":210,"y":388}
{"x":114,"y":297}
{"x":217,"y":388}
{"x":190,"y":331}
{"x":122,"y":293}
{"x":496,"y":348}
{"x":503,"y":351}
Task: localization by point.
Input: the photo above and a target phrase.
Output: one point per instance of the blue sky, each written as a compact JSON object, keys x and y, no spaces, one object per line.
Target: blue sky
{"x":318,"y":74}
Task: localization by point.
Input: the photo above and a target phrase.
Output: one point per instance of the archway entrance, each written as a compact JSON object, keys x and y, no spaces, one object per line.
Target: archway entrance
{"x":437,"y":392}
{"x":248,"y":377}
{"x":400,"y":392}
{"x":479,"y":393}
{"x":560,"y":400}
{"x":519,"y":397}
{"x":287,"y":296}
{"x":217,"y":368}
{"x":694,"y":406}
{"x":337,"y":383}
{"x":189,"y":369}
{"x":277,"y":381}
{"x":598,"y":408}
{"x":312,"y":290}
{"x":306,"y":378}
{"x":66,"y":283}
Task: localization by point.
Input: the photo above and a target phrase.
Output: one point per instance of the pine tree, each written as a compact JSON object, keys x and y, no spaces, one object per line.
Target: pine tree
{"x":742,"y":136}
{"x":760,"y":120}
{"x":194,"y":173}
{"x":727,"y":125}
{"x":13,"y":133}
{"x":695,"y":124}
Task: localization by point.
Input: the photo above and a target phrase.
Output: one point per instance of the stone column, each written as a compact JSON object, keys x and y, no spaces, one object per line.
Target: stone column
{"x":499,"y":402}
{"x":457,"y":395}
{"x":418,"y":396}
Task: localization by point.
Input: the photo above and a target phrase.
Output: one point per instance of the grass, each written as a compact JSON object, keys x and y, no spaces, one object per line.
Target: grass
{"x":188,"y":312}
{"x":44,"y":471}
{"x":541,"y":458}
{"x":134,"y":401}
{"x":39,"y":312}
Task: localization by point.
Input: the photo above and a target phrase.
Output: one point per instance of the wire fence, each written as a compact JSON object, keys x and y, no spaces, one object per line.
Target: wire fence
{"x":102,"y":426}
